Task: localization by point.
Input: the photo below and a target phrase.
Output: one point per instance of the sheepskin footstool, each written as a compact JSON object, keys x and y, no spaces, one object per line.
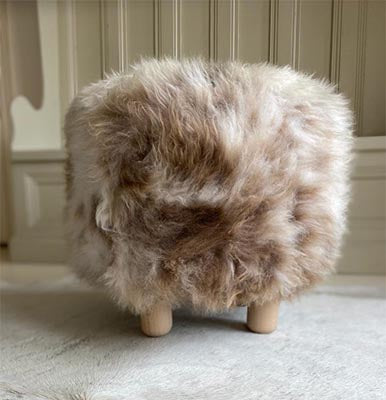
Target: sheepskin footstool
{"x":206,"y":185}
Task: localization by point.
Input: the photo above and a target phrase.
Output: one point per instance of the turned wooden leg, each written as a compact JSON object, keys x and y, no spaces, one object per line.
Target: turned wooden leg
{"x":263,"y":318}
{"x":158,"y":321}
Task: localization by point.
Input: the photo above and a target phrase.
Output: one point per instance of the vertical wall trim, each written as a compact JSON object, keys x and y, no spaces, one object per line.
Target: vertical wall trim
{"x":273,"y":30}
{"x":336,"y":39}
{"x":103,"y":37}
{"x":295,"y":39}
{"x":6,"y":203}
{"x":157,"y":29}
{"x":234,"y":22}
{"x":71,"y":52}
{"x":213,"y":30}
{"x":122,"y":39}
{"x":360,"y":64}
{"x":176,"y":28}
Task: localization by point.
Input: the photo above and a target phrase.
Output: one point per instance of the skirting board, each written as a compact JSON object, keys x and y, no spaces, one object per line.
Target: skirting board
{"x":38,"y":183}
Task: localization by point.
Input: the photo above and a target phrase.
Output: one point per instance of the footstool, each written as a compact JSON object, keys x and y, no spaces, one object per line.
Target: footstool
{"x":207,"y":185}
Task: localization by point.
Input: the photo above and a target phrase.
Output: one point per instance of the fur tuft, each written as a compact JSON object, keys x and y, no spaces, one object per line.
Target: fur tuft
{"x":212,"y":185}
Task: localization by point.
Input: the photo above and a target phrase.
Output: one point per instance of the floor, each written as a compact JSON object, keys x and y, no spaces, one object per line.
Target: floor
{"x":63,"y":341}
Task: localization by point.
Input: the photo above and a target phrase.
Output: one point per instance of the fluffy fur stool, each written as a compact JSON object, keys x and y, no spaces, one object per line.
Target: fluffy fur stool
{"x":208,"y":185}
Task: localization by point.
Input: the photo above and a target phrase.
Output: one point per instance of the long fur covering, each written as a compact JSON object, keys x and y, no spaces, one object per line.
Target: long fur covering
{"x":210,"y":185}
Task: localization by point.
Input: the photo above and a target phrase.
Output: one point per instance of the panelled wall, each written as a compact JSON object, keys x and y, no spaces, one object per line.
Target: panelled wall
{"x":339,"y":40}
{"x":342,"y":41}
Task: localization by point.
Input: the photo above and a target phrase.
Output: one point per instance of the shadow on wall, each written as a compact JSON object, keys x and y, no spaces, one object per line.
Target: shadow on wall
{"x":26,"y":74}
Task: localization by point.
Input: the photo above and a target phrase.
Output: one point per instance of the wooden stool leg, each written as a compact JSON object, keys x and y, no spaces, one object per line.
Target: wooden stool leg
{"x":263,"y":318}
{"x":158,"y":321}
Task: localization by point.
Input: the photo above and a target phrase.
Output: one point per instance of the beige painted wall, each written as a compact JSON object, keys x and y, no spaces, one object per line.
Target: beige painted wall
{"x":340,"y":40}
{"x":57,"y":47}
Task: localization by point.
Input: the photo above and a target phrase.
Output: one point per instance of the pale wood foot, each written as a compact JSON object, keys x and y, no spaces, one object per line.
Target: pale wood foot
{"x":158,"y":321}
{"x":263,"y":318}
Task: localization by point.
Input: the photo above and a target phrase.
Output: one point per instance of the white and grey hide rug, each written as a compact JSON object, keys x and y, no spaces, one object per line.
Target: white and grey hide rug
{"x":65,"y":342}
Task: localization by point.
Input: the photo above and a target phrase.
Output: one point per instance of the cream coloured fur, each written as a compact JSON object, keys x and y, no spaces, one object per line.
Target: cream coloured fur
{"x":206,"y":184}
